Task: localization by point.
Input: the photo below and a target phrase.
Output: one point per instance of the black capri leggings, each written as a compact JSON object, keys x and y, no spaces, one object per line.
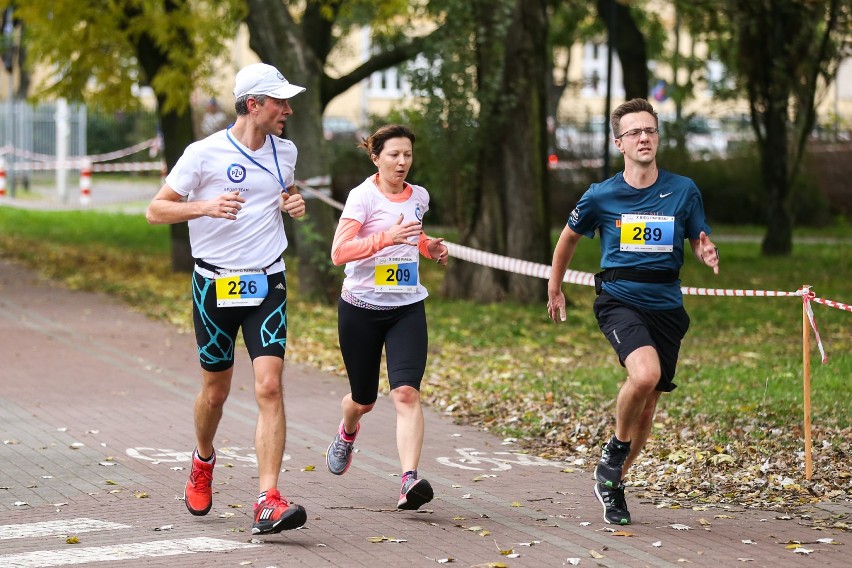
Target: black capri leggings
{"x":364,"y":332}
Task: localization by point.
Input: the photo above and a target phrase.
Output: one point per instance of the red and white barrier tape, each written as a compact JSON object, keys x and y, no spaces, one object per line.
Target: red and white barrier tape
{"x":807,"y":298}
{"x":106,"y":157}
{"x":97,"y":167}
{"x":832,"y":304}
{"x":515,"y":265}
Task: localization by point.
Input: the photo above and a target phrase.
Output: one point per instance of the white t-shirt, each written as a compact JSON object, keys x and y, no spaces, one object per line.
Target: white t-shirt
{"x":219,"y":163}
{"x":374,"y":279}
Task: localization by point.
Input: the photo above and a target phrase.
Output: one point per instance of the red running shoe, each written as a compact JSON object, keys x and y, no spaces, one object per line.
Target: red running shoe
{"x":276,"y":514}
{"x":198,"y":493}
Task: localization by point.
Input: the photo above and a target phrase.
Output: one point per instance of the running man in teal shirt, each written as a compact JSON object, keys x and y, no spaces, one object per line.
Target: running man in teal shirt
{"x":643,"y":216}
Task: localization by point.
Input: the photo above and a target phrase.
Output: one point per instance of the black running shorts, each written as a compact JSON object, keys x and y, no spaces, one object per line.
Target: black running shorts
{"x":628,"y":328}
{"x":264,"y":326}
{"x":364,"y":332}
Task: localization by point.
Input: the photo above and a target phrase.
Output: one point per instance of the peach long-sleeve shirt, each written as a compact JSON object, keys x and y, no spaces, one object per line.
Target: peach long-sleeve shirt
{"x":347,"y":247}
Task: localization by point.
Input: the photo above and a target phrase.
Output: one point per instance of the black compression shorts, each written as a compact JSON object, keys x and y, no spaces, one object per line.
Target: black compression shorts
{"x":364,"y":332}
{"x":264,"y":326}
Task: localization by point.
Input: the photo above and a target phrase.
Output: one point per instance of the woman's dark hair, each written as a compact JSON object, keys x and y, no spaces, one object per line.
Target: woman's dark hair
{"x":375,"y":143}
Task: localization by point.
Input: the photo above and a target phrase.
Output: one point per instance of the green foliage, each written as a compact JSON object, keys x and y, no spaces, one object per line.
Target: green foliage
{"x":106,"y":132}
{"x":90,"y":46}
{"x":732,"y":191}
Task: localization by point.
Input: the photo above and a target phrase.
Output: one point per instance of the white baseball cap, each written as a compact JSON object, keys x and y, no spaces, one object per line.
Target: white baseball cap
{"x":263,"y":79}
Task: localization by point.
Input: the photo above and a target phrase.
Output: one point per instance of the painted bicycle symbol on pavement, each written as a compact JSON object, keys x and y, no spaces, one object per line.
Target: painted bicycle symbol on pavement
{"x":470,"y":458}
{"x":241,"y":456}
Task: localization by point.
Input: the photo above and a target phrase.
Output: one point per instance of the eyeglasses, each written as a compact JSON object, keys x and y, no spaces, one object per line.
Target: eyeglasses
{"x":635,"y":132}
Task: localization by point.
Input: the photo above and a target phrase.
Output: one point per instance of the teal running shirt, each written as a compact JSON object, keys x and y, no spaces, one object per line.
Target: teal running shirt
{"x":644,"y":229}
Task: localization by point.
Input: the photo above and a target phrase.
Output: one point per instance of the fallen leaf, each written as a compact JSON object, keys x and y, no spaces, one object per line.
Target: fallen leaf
{"x":680,"y":527}
{"x":622,"y":533}
{"x":803,"y":551}
{"x":110,"y":482}
{"x":140,"y":495}
{"x":827,"y":541}
{"x":516,"y":504}
{"x":235,"y":506}
{"x":309,"y":468}
{"x":72,"y":540}
{"x":595,"y":554}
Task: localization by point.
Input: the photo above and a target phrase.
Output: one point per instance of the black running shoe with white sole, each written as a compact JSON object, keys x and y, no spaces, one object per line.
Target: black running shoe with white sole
{"x":614,"y":504}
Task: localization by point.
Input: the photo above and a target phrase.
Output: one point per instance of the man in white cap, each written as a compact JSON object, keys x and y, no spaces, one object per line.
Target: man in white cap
{"x":232,"y":187}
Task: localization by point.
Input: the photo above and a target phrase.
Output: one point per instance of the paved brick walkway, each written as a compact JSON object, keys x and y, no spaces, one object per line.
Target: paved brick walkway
{"x":95,"y":419}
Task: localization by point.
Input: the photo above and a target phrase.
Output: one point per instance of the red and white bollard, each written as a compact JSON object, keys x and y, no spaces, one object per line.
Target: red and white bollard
{"x":2,"y":178}
{"x":86,"y":182}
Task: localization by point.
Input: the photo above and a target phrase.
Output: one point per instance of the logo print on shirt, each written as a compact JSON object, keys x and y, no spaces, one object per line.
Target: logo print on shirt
{"x":575,"y":215}
{"x":664,"y":195}
{"x":418,"y":212}
{"x":236,"y":173}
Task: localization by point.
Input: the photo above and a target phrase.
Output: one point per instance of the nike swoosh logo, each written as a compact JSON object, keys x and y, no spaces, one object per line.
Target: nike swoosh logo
{"x":663,"y":195}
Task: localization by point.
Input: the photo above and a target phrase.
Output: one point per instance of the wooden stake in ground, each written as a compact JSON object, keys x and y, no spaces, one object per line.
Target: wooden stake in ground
{"x":806,"y":368}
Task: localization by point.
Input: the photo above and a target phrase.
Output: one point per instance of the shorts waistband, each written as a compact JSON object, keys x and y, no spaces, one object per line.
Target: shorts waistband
{"x":208,"y":270}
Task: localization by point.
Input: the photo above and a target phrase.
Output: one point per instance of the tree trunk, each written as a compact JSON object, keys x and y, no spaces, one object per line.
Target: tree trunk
{"x":630,"y":47}
{"x":509,"y":215}
{"x":277,"y":40}
{"x":176,"y":128}
{"x":778,"y":239}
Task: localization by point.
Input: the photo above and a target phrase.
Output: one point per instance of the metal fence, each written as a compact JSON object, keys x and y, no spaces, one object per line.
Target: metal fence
{"x":29,"y":131}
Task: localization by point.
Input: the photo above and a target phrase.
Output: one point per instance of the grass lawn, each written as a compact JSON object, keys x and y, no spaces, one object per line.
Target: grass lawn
{"x":732,"y":431}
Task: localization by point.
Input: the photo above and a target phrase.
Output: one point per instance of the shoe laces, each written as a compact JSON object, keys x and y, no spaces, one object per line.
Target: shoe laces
{"x":407,"y":483}
{"x":615,"y":498}
{"x":200,"y":479}
{"x":341,"y":448}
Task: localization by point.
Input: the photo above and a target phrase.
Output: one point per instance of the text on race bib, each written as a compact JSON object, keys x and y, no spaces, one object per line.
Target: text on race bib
{"x":646,"y":233}
{"x":241,"y":288}
{"x":397,"y":275}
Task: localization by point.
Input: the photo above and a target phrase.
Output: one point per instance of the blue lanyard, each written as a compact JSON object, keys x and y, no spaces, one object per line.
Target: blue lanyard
{"x":255,"y":162}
